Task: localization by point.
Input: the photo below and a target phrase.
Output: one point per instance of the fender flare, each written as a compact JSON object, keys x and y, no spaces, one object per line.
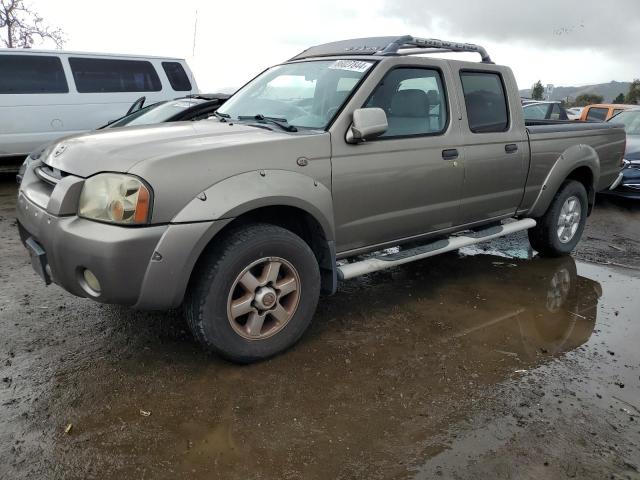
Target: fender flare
{"x":574,"y":157}
{"x":249,"y":191}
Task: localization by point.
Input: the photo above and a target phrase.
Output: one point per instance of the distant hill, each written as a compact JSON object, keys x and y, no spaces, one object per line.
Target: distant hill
{"x":608,"y":90}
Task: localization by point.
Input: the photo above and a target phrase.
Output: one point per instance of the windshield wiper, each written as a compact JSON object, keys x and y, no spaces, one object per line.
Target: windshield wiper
{"x":222,"y":116}
{"x":280,"y":122}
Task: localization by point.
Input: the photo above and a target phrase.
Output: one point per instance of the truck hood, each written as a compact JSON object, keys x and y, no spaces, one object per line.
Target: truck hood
{"x":183,"y":159}
{"x":120,"y":149}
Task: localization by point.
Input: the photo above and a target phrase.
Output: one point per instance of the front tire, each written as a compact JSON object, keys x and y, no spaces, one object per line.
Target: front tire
{"x":559,"y":230}
{"x":254,"y":294}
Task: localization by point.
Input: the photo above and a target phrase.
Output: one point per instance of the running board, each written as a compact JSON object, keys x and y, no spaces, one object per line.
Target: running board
{"x":381,"y":262}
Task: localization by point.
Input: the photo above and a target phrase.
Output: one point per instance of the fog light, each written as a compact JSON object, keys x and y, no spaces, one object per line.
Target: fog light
{"x":91,"y":280}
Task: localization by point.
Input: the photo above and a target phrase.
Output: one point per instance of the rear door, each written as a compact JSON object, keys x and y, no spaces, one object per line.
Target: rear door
{"x":400,"y":184}
{"x":495,"y":143}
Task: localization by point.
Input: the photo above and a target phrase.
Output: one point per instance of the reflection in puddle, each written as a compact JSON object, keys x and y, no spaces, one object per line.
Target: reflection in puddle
{"x":391,"y":361}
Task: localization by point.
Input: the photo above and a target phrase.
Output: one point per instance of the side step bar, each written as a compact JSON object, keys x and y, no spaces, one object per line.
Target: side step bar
{"x":381,"y":262}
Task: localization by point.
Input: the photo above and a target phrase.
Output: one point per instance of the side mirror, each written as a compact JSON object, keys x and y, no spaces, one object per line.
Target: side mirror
{"x":367,"y":123}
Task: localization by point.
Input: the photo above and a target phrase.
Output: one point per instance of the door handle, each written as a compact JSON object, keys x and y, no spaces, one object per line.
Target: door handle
{"x":511,"y":148}
{"x":450,"y":154}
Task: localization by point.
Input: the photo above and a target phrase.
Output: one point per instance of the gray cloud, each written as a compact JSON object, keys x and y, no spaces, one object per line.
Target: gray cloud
{"x":611,"y":26}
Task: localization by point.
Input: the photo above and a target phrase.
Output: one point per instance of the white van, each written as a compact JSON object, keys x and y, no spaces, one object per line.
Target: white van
{"x":48,"y":94}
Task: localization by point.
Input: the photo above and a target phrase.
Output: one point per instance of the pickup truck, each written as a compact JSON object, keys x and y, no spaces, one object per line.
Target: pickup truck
{"x":313,"y":170}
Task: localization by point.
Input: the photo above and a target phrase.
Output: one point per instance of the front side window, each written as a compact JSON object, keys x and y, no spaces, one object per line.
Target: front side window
{"x":414,"y":101}
{"x":99,"y":75}
{"x":21,"y":74}
{"x":597,"y":114}
{"x":304,"y":94}
{"x":486,"y":102}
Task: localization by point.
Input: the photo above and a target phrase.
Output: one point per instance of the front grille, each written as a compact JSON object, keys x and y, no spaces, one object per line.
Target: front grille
{"x":49,"y":174}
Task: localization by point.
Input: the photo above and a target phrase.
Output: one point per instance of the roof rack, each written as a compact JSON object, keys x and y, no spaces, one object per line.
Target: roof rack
{"x":390,"y":46}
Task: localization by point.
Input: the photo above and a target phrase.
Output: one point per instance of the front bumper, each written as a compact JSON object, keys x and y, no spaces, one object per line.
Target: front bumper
{"x":117,"y":256}
{"x":145,"y":267}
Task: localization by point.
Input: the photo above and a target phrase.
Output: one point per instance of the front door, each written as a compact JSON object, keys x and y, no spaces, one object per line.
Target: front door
{"x":406,"y":182}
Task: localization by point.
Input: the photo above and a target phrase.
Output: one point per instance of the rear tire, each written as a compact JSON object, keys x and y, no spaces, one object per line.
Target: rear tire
{"x":254,"y":294}
{"x":559,"y":230}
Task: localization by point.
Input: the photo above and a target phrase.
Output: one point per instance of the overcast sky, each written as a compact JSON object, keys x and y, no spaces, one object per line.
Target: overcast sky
{"x":564,"y":42}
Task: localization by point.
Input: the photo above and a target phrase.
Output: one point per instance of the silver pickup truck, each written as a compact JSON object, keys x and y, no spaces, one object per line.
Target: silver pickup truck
{"x":310,"y":169}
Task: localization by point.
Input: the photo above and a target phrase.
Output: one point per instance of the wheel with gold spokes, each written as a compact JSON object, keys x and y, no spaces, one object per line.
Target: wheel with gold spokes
{"x":254,"y":293}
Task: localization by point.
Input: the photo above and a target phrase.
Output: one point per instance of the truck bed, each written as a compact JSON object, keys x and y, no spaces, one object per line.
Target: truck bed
{"x":556,"y":143}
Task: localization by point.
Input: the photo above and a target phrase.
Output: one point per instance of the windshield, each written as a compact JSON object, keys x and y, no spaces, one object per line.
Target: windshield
{"x":630,"y":120}
{"x":305,"y":94}
{"x":156,"y":113}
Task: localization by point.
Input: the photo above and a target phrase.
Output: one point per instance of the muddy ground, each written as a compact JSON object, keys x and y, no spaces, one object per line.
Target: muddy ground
{"x":486,"y":363}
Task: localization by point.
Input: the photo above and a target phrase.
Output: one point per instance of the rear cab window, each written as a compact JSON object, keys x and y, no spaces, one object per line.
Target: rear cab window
{"x":28,"y":74}
{"x":486,"y":101}
{"x":178,"y":78}
{"x":101,"y":75}
{"x":597,"y":114}
{"x":414,"y":100}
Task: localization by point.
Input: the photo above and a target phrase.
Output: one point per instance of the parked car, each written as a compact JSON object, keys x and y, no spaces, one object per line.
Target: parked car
{"x":192,"y":107}
{"x":601,"y":112}
{"x":628,"y":182}
{"x":189,"y":108}
{"x":45,"y":95}
{"x":574,"y":113}
{"x":540,"y":110}
{"x":336,"y":153}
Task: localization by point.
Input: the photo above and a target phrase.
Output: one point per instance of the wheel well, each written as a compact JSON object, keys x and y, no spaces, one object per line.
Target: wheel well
{"x":302,"y":224}
{"x":584,"y":175}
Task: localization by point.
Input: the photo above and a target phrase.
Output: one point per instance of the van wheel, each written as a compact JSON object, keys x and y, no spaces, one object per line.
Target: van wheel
{"x":559,"y":230}
{"x":254,"y":294}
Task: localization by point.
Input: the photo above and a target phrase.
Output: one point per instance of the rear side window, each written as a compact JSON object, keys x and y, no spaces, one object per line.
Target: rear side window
{"x":177,"y":76}
{"x":414,"y":101}
{"x":98,"y":75}
{"x":31,"y":74}
{"x":486,"y":102}
{"x":597,"y":114}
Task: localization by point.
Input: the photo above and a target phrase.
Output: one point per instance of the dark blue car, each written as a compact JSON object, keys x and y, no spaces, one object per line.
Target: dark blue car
{"x":629,"y":184}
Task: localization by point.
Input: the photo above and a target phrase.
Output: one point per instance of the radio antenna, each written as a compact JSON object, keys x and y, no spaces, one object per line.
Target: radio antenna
{"x":193,"y":49}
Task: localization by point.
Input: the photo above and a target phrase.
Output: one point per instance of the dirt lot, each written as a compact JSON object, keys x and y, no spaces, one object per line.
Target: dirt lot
{"x":486,"y":363}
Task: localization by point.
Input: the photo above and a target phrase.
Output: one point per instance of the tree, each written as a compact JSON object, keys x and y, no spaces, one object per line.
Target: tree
{"x":587,"y":99}
{"x":619,"y":98}
{"x":20,"y":26}
{"x":537,"y":92}
{"x":634,"y":93}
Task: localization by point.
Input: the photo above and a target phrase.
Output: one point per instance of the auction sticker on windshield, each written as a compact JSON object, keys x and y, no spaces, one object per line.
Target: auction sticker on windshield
{"x":351,"y":65}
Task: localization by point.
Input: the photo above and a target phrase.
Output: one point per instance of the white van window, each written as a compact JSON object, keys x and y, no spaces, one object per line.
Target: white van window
{"x":31,"y":74}
{"x":98,"y":75}
{"x":177,"y":76}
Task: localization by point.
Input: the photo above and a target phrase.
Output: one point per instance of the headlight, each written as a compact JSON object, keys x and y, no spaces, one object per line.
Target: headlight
{"x":115,"y":198}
